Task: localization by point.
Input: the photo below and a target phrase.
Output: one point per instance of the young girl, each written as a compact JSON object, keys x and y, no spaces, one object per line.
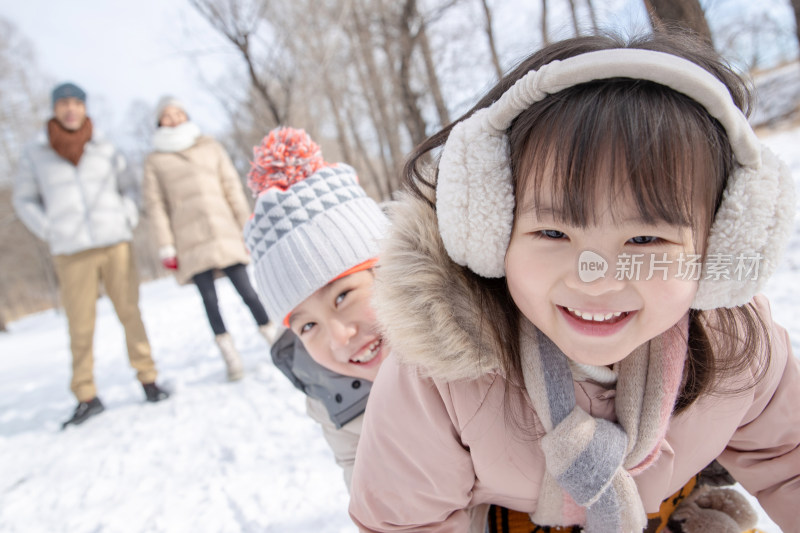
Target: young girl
{"x":197,"y":208}
{"x":571,"y":304}
{"x":314,"y":240}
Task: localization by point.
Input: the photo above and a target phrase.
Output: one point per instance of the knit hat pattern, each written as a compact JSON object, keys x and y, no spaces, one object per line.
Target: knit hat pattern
{"x":303,"y":237}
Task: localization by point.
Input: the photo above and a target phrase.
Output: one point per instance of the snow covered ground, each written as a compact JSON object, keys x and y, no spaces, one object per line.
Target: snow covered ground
{"x":216,"y":457}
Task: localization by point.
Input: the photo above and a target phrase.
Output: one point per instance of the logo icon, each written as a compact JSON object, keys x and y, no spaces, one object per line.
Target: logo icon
{"x":591,"y":266}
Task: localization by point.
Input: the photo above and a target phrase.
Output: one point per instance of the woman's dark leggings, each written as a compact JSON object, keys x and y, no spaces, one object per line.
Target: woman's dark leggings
{"x":238,"y":276}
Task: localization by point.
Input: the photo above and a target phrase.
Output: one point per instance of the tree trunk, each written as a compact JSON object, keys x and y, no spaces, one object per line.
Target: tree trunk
{"x":380,"y":180}
{"x":545,"y":36}
{"x":333,"y":101}
{"x":592,"y":15}
{"x":796,"y":8}
{"x":375,"y":119}
{"x":574,"y":17}
{"x":490,"y":37}
{"x":280,"y":116}
{"x":374,"y":86}
{"x":433,"y":79}
{"x":235,"y":23}
{"x":414,"y":120}
{"x":687,"y":14}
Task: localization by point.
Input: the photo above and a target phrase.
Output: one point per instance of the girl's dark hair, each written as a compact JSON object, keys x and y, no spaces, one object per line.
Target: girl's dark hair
{"x":661,"y":146}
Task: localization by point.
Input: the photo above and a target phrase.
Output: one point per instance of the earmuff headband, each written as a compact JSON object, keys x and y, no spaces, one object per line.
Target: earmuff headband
{"x":671,"y":71}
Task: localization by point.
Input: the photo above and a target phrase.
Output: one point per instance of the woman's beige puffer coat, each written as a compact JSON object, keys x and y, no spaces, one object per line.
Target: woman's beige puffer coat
{"x":195,"y":202}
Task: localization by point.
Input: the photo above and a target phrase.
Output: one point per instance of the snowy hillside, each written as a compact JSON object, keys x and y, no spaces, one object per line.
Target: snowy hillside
{"x":217,"y":457}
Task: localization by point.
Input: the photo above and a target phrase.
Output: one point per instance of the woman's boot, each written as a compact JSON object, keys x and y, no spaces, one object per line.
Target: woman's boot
{"x":232,"y":360}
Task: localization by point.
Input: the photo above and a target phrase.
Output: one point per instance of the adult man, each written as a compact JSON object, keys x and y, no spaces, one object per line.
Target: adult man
{"x":71,"y":191}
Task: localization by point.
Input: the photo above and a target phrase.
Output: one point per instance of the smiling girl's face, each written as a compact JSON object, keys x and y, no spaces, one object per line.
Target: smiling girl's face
{"x":600,"y":321}
{"x":623,"y":173}
{"x":338,"y":327}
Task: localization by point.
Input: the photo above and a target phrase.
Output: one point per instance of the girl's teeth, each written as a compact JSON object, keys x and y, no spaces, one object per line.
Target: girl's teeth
{"x":595,"y":317}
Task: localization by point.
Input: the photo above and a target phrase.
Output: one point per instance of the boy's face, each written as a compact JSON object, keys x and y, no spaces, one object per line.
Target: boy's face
{"x":338,"y":327}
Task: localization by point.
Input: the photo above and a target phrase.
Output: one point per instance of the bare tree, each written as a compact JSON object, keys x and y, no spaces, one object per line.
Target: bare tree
{"x":592,"y":15}
{"x":433,"y":78}
{"x":490,"y":38}
{"x":28,"y":281}
{"x":408,"y":30}
{"x":759,"y":40}
{"x":796,"y":8}
{"x":365,"y":74}
{"x":23,"y":94}
{"x":545,"y":33}
{"x":687,"y":14}
{"x":239,"y":21}
{"x":373,"y":83}
{"x":574,"y":15}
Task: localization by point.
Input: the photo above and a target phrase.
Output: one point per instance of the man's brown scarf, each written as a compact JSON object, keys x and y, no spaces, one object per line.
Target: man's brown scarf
{"x":69,"y":143}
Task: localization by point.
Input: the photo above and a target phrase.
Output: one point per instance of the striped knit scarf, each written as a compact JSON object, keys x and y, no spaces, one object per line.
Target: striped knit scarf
{"x":590,"y":461}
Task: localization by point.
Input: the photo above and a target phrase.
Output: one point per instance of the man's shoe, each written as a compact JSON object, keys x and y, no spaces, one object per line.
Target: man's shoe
{"x":154,"y":393}
{"x":84,"y":411}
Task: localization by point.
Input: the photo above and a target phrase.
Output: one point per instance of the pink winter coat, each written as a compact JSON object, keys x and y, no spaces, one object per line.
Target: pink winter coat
{"x":445,"y":433}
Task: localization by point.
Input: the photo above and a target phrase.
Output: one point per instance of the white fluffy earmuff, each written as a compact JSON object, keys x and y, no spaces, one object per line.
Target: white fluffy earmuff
{"x":475,"y":195}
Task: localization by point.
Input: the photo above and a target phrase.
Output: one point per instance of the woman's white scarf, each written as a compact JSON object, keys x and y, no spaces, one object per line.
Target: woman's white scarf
{"x":590,"y":461}
{"x":176,"y":139}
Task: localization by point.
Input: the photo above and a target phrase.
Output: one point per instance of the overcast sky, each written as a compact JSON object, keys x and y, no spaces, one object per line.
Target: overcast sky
{"x":120,"y":51}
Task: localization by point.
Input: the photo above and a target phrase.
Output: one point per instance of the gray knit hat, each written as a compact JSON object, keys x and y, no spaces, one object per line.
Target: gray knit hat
{"x":68,"y":90}
{"x":306,"y":231}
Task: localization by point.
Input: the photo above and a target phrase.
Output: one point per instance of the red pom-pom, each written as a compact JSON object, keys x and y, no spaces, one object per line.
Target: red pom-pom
{"x":284,"y":157}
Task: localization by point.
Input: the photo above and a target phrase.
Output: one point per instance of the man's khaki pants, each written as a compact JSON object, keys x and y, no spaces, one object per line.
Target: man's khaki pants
{"x":79,"y":277}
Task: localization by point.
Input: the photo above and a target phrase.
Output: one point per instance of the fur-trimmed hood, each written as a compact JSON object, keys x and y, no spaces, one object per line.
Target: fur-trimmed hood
{"x":427,"y":303}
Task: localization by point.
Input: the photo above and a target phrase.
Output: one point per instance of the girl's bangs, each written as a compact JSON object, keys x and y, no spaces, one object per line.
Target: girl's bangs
{"x":619,"y":139}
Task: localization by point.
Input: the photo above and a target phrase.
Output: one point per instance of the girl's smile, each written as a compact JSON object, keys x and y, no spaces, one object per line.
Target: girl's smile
{"x":596,"y":323}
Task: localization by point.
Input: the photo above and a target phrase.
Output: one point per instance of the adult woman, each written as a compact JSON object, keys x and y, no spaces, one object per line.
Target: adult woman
{"x":197,"y":207}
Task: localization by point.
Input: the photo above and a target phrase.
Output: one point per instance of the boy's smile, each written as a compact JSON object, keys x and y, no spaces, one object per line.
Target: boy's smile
{"x":338,"y":327}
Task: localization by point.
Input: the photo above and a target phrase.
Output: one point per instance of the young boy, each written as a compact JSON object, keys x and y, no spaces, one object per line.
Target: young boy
{"x":313,"y":238}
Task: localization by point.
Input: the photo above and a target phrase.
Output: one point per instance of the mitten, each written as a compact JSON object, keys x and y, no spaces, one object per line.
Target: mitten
{"x":170,"y":263}
{"x":713,"y":510}
{"x":168,"y":257}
